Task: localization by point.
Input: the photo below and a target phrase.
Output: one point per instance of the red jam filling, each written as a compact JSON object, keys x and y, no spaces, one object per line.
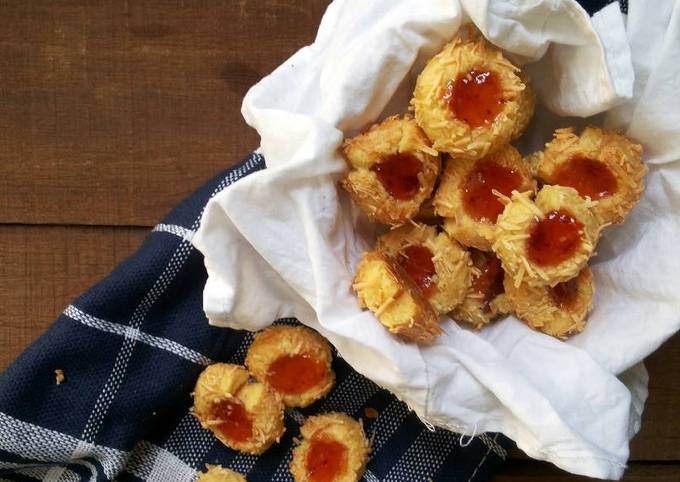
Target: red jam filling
{"x":565,"y":294}
{"x":398,"y":174}
{"x":295,"y":374}
{"x":554,"y":238}
{"x":589,"y":177}
{"x":326,"y":459}
{"x":234,"y":420}
{"x":478,"y":198}
{"x":490,"y":282}
{"x":475,"y":97}
{"x":417,"y":262}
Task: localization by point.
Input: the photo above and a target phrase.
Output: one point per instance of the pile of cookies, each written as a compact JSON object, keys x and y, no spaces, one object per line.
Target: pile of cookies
{"x":243,"y":406}
{"x":479,"y":231}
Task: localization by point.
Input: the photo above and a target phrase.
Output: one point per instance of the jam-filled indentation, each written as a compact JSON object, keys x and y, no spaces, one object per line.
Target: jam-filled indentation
{"x":417,"y":262}
{"x":326,"y":459}
{"x":489,"y":283}
{"x":565,"y":294}
{"x":475,"y":97}
{"x":479,"y":200}
{"x":231,"y":418}
{"x":295,"y":374}
{"x":589,"y":177}
{"x":398,"y":174}
{"x":554,"y":238}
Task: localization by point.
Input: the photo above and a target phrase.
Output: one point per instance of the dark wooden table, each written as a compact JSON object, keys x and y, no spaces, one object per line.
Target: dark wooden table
{"x":113,"y":111}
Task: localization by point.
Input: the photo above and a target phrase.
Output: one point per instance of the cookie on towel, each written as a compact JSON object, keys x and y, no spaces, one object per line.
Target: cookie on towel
{"x":437,"y":264}
{"x":334,"y":448}
{"x":547,"y":241}
{"x":470,"y":100}
{"x":247,"y":417}
{"x":216,"y":473}
{"x":385,"y":288}
{"x":393,"y":169}
{"x":293,"y":360}
{"x":601,"y":164}
{"x":467,"y":197}
{"x":558,"y":311}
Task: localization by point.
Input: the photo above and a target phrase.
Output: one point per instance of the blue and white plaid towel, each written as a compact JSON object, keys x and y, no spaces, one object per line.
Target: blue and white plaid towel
{"x":131,"y":349}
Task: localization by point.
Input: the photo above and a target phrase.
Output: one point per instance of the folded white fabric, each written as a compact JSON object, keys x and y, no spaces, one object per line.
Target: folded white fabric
{"x":285,"y":241}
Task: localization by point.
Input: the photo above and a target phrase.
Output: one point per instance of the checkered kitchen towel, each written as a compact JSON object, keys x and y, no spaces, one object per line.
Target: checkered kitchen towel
{"x":131,"y":349}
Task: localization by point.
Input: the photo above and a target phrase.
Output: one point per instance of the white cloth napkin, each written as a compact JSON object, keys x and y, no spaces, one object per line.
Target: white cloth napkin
{"x":285,"y":241}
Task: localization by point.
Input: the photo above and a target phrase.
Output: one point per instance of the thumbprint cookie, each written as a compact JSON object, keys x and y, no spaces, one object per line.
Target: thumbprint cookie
{"x":393,"y":169}
{"x":245,"y":416}
{"x":293,"y":360}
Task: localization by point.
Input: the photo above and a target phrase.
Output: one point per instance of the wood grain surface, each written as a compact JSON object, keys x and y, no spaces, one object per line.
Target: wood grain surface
{"x":130,"y":105}
{"x":113,"y":111}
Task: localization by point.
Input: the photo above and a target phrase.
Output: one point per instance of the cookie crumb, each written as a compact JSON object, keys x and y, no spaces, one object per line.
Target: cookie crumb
{"x":59,"y":376}
{"x":370,"y":412}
